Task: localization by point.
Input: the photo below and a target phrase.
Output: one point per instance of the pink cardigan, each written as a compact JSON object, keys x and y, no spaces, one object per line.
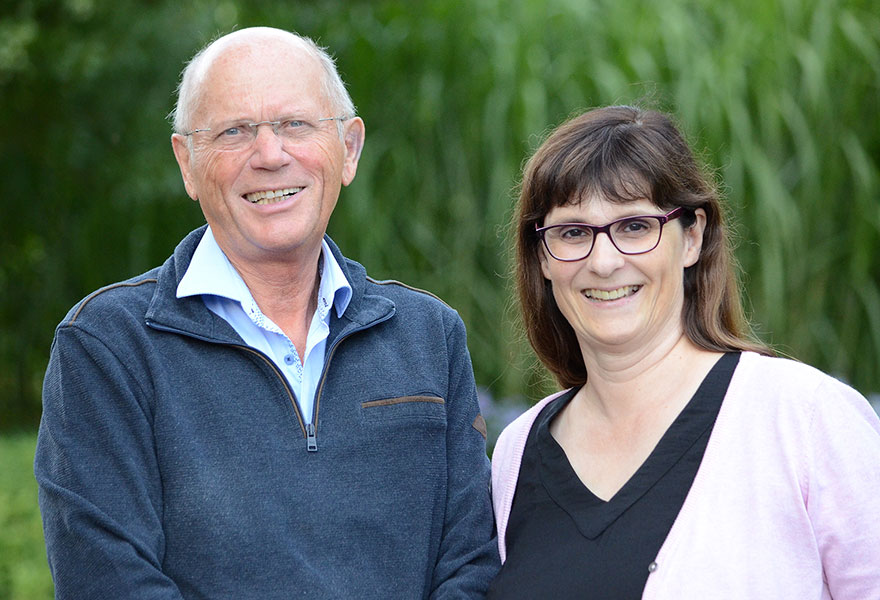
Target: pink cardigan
{"x":786,"y":503}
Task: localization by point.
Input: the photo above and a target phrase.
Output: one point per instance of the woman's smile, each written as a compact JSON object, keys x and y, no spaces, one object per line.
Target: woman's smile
{"x":612,"y":294}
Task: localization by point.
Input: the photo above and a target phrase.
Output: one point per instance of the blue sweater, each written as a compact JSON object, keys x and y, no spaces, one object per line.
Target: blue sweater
{"x":173,"y":462}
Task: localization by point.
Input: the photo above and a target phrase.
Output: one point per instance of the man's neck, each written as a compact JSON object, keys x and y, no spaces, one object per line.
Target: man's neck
{"x":286,"y":292}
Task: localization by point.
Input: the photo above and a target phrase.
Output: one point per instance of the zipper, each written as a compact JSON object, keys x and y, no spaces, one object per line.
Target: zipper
{"x":296,"y":410}
{"x":311,"y":438}
{"x":311,"y":435}
{"x":310,"y":430}
{"x":254,"y":351}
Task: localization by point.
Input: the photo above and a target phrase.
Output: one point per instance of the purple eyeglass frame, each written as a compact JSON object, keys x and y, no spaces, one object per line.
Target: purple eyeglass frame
{"x":606,"y":229}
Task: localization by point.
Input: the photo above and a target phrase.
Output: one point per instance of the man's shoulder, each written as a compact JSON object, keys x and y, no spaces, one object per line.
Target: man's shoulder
{"x":134,"y":295}
{"x":398,"y":290}
{"x":401,"y":294}
{"x":412,"y":302}
{"x":131,"y":295}
{"x":416,"y":306}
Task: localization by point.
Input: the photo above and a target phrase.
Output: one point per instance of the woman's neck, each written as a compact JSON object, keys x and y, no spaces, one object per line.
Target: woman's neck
{"x":629,"y":401}
{"x":622,"y":386}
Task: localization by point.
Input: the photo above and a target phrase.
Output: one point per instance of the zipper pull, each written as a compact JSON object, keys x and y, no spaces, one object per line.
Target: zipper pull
{"x":311,"y":438}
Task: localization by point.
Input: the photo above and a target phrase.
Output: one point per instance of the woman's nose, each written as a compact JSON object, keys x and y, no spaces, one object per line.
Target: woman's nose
{"x":605,"y":258}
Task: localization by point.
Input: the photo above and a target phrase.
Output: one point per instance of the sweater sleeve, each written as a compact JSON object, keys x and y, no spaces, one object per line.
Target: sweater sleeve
{"x":99,"y":482}
{"x":843,"y":494}
{"x":468,"y":555}
{"x":505,"y":466}
{"x":506,"y":461}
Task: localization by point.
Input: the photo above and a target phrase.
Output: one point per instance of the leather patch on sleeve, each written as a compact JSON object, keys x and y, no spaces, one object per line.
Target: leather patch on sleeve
{"x":480,"y":425}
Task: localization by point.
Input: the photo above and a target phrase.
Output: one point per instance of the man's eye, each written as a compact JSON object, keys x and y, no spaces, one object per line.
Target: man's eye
{"x":293,"y":124}
{"x":234,"y":131}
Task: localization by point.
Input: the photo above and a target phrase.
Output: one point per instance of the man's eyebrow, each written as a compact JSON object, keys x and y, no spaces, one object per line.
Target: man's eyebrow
{"x":285,"y":116}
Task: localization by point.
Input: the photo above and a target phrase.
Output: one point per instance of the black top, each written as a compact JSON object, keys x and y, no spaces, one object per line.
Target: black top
{"x":565,"y":542}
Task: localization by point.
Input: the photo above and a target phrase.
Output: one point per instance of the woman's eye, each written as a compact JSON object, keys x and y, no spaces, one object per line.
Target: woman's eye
{"x":634,"y":226}
{"x":574,"y":233}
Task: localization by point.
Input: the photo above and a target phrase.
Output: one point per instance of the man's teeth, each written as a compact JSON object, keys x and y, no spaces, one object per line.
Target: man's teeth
{"x":626,"y":290}
{"x":271,"y":196}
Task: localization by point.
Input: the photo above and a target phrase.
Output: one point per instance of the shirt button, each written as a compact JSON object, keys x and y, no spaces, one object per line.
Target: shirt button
{"x":652,"y":567}
{"x":288,"y":359}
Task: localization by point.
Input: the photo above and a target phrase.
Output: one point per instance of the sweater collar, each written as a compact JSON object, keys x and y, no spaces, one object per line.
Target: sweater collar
{"x":211,"y":272}
{"x":190,"y":315}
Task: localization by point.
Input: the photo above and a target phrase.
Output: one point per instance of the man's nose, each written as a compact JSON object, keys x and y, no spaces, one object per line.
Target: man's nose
{"x":268,"y":151}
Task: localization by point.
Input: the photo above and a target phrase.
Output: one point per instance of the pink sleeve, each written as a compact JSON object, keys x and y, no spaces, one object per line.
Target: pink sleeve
{"x":843,"y":490}
{"x":505,"y":470}
{"x":506,"y":460}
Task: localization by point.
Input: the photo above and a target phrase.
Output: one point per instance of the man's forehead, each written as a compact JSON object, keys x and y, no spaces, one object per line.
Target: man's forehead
{"x":259,"y":39}
{"x":260,"y":55}
{"x":255,"y":78}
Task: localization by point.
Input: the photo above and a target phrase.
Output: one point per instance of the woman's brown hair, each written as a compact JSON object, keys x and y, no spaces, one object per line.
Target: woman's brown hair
{"x":621,"y":154}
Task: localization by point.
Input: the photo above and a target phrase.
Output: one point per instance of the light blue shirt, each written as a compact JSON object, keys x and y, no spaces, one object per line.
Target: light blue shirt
{"x":211,"y":275}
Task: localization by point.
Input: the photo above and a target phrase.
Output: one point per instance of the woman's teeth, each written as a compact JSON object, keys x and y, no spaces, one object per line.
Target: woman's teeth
{"x":627,"y":290}
{"x":272,"y":196}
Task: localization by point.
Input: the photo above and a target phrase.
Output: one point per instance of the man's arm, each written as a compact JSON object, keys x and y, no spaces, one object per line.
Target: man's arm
{"x":468,"y":558}
{"x":99,"y":483}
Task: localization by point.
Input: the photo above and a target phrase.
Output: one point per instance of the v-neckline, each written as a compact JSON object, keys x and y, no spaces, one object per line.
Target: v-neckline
{"x":594,"y":515}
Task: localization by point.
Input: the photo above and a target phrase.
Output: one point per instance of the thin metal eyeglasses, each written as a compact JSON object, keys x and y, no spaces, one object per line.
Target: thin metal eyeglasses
{"x":570,"y":242}
{"x":241,"y":135}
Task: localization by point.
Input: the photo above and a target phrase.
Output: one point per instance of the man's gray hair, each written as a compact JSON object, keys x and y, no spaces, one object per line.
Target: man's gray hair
{"x":194,"y":73}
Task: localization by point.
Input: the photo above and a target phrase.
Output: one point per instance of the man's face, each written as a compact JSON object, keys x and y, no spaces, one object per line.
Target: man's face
{"x":271,"y":200}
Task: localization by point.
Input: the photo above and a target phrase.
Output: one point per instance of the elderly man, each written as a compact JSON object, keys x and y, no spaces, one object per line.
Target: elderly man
{"x":257,"y":418}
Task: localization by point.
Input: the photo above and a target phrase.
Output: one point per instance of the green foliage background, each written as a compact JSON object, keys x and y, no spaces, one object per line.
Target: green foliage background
{"x":24,"y":572}
{"x":780,"y":96}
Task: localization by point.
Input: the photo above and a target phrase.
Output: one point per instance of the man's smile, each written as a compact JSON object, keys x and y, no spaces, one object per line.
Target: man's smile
{"x":271,"y":196}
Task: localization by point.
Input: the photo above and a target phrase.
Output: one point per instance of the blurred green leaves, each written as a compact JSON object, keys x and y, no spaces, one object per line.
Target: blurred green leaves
{"x":781,"y":98}
{"x":23,"y":570}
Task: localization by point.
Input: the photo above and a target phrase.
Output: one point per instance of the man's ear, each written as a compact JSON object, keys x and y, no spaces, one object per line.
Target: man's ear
{"x":353,"y":138}
{"x":183,"y":154}
{"x":693,"y":238}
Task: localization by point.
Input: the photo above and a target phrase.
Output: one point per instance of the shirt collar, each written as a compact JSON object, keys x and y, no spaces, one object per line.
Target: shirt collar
{"x":335,"y":288}
{"x":210,"y":272}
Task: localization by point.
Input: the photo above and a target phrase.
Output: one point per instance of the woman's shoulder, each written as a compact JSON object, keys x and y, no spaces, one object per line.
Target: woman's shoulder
{"x":786,"y":391}
{"x":780,"y":373}
{"x":515,"y":433}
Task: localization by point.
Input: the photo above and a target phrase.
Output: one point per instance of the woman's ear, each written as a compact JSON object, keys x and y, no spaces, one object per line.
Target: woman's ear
{"x":693,"y":238}
{"x":545,"y":266}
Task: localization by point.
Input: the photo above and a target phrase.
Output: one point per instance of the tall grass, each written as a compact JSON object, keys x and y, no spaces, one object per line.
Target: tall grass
{"x":24,"y":573}
{"x":781,"y":98}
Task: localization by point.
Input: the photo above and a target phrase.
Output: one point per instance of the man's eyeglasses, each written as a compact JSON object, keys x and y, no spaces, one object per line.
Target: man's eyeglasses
{"x":236,"y":136}
{"x":571,"y":242}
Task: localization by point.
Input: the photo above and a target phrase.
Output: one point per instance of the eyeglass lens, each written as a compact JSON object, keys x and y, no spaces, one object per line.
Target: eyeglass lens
{"x":234,"y":136}
{"x":633,"y":235}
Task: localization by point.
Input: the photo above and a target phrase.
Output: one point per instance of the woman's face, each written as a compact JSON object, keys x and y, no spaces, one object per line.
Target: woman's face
{"x":618,"y":303}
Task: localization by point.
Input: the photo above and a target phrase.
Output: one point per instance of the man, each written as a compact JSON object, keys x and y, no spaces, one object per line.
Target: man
{"x":256,"y":418}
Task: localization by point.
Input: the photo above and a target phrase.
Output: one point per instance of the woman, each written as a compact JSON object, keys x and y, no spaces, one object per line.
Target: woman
{"x":682,"y":460}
